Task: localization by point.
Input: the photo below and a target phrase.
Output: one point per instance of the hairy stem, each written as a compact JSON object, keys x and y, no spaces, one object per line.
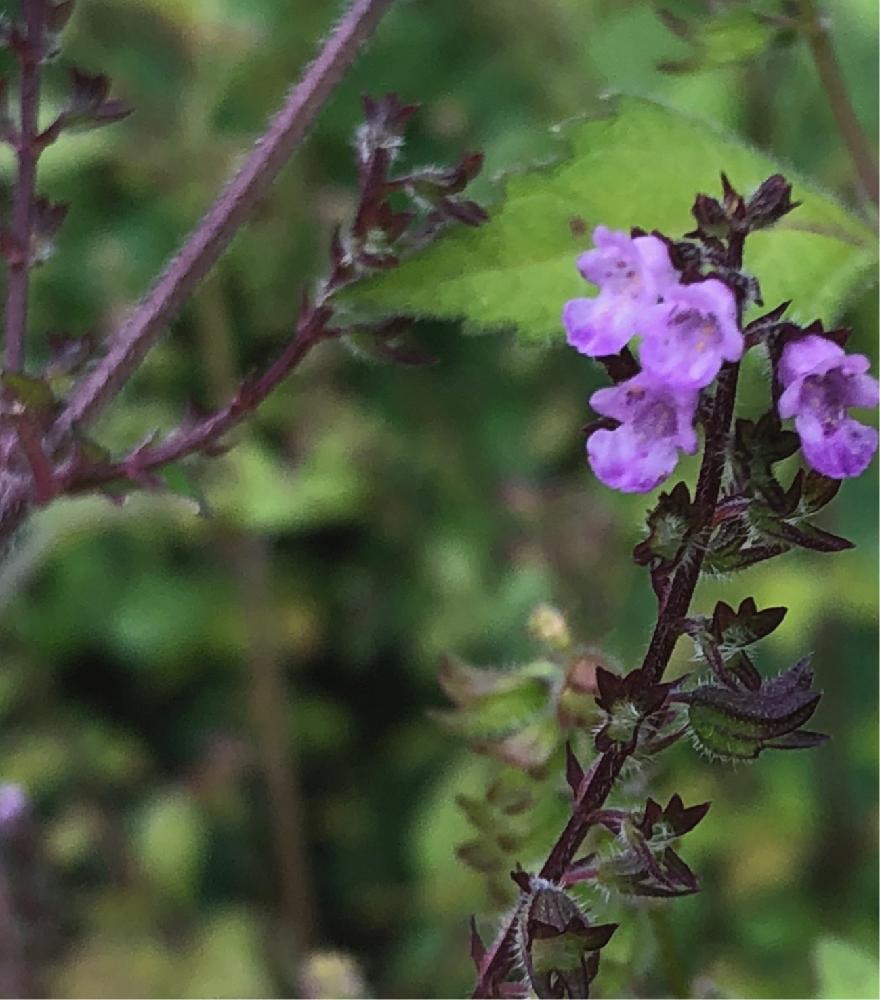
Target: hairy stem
{"x":815,"y":26}
{"x":30,"y":54}
{"x":606,"y":770}
{"x":684,"y":582}
{"x":212,"y":236}
{"x":211,"y":429}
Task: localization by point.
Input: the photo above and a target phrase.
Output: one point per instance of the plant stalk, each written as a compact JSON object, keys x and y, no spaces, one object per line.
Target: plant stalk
{"x":249,"y":558}
{"x":606,"y":770}
{"x":30,"y":53}
{"x":815,"y":27}
{"x":140,"y":331}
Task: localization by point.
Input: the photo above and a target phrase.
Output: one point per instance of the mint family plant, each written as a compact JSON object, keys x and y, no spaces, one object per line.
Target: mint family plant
{"x":685,"y":299}
{"x":54,"y":385}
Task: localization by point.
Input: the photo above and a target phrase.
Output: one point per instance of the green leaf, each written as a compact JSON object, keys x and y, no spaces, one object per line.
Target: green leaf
{"x":254,"y":490}
{"x":500,"y":713}
{"x":225,"y":959}
{"x":33,"y":392}
{"x":845,"y":971}
{"x":639,"y":167}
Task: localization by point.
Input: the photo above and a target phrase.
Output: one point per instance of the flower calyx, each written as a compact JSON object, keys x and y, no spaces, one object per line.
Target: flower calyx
{"x":722,"y":639}
{"x":644,"y":862}
{"x":739,"y":723}
{"x":558,"y":945}
{"x":671,"y":525}
{"x":735,"y":215}
{"x":637,"y":713}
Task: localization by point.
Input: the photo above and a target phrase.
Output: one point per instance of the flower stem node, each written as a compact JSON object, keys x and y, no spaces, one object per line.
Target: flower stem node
{"x":636,"y":710}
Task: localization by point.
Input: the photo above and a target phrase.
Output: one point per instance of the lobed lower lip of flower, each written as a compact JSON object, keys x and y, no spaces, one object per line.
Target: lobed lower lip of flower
{"x":701,"y":329}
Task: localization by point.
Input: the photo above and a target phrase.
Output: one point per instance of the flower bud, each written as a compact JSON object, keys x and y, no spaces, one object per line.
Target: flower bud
{"x":548,"y":625}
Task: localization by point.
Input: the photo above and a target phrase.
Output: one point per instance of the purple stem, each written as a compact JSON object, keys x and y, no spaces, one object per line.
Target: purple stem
{"x":212,"y":428}
{"x":140,"y":331}
{"x":29,"y":50}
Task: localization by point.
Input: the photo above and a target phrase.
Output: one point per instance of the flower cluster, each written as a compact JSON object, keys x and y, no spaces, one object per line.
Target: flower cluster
{"x":687,"y":333}
{"x":688,"y":328}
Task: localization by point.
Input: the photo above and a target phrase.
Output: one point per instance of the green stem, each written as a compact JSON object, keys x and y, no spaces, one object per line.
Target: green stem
{"x":815,"y":28}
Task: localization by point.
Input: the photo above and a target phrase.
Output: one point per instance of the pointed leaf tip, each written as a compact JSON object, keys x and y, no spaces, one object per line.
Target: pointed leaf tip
{"x":574,"y":773}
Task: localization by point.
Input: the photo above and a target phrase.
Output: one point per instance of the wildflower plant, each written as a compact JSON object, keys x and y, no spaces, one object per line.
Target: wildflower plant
{"x":672,"y":317}
{"x":683,"y":300}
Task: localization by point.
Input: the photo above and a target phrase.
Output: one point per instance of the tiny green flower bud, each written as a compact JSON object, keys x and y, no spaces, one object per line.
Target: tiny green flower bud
{"x":548,"y":625}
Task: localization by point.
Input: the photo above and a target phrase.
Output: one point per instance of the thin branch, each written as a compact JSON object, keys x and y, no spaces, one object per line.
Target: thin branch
{"x":212,"y":236}
{"x":42,"y":470}
{"x":211,"y":429}
{"x":815,"y":27}
{"x":29,"y":50}
{"x":249,"y":558}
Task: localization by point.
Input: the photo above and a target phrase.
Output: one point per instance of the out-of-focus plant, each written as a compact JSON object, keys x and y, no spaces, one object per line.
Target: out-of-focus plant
{"x":55,"y":383}
{"x":46,"y":449}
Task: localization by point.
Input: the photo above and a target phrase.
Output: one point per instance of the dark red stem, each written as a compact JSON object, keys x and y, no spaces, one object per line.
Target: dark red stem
{"x":211,"y":429}
{"x":46,"y":487}
{"x":499,"y":958}
{"x":29,"y":49}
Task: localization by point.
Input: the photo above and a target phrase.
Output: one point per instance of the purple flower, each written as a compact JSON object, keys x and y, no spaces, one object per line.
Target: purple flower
{"x":632,"y":275}
{"x":691,"y":334}
{"x":13,"y":804}
{"x":656,"y":421}
{"x":820,"y":381}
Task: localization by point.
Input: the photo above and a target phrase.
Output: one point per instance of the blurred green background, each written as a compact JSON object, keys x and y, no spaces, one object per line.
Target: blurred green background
{"x":222,"y":721}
